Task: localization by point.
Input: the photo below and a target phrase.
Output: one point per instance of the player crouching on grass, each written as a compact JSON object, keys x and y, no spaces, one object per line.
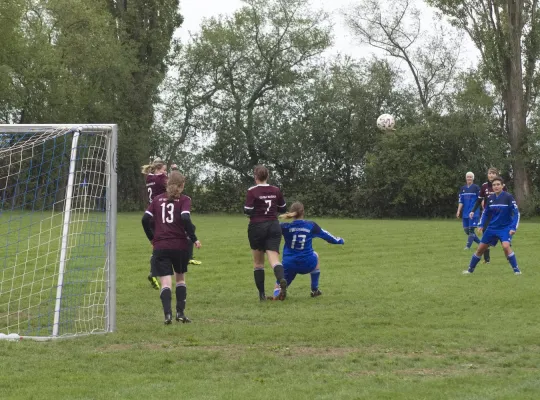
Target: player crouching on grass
{"x":500,"y":219}
{"x":298,"y":254}
{"x":169,"y":233}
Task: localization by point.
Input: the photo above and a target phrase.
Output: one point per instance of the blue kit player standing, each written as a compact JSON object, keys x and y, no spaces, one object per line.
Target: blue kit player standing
{"x":485,"y":191}
{"x":501,"y":215}
{"x":298,"y":254}
{"x":467,"y":199}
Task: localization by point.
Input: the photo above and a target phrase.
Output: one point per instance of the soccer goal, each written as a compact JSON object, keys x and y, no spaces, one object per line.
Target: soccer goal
{"x":57,"y":230}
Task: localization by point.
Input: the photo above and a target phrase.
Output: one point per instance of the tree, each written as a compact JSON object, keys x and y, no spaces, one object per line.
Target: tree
{"x":396,"y":29}
{"x":146,"y":28}
{"x":507,"y":35}
{"x":265,"y":48}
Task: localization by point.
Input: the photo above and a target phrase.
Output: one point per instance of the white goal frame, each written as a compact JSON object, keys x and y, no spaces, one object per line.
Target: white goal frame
{"x":111,"y":221}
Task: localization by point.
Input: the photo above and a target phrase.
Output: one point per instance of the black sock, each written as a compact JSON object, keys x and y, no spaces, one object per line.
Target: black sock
{"x":190,"y":250}
{"x":486,"y":255}
{"x":259,"y":279}
{"x":151,"y":265}
{"x":165,"y":297}
{"x":181,"y":294}
{"x":278,"y":272}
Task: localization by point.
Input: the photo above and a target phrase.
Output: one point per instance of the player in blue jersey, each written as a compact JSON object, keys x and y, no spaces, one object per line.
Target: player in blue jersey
{"x":499,"y":221}
{"x":467,"y":199}
{"x":298,"y":254}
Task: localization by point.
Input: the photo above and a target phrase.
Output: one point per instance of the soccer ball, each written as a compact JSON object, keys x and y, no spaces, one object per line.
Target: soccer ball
{"x":386,"y":122}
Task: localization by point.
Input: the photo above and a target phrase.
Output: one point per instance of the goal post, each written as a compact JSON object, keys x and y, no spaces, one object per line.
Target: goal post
{"x":57,"y":230}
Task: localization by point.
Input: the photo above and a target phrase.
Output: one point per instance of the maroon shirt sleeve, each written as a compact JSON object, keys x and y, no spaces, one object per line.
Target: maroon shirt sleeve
{"x":250,"y":200}
{"x":186,"y":205}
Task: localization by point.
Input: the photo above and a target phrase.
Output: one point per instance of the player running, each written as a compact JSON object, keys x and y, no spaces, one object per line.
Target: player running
{"x":468,"y":194}
{"x":263,"y":202}
{"x":298,"y":254}
{"x":169,"y":233}
{"x":501,"y":215}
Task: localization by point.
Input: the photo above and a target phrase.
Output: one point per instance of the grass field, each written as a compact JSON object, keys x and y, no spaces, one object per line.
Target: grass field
{"x":397,"y":321}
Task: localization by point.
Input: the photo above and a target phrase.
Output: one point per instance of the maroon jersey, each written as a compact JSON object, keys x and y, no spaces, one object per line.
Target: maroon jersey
{"x":487,"y":189}
{"x":264,"y":201}
{"x":169,"y":231}
{"x":155,"y":185}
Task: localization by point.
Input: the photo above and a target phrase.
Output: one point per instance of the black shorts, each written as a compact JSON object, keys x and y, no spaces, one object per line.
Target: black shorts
{"x":166,"y":262}
{"x":265,"y":235}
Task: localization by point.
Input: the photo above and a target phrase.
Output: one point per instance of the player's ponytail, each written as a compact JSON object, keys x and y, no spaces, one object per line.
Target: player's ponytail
{"x":147,"y":169}
{"x":175,"y":185}
{"x":295,"y":212}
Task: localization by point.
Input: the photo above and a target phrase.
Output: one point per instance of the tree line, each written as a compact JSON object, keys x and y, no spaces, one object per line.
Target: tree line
{"x":258,"y":87}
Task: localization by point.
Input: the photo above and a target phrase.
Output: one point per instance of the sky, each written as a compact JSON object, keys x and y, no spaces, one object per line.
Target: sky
{"x":194,"y":11}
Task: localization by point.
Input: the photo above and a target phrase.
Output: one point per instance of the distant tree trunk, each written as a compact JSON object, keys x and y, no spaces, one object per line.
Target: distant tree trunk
{"x":515,"y":104}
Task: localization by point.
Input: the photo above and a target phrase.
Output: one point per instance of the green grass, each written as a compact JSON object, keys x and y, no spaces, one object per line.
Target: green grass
{"x":397,"y":321}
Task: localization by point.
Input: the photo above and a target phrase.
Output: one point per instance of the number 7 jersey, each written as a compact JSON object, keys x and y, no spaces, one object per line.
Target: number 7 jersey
{"x":264,"y":200}
{"x":299,"y":236}
{"x":169,"y":230}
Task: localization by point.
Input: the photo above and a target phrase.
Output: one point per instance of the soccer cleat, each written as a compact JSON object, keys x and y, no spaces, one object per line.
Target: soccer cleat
{"x":467,"y":272}
{"x":283,"y":289}
{"x":154,"y":282}
{"x":262,"y":296}
{"x":180,"y":317}
{"x":168,"y":319}
{"x":195,"y":262}
{"x":466,"y":248}
{"x":315,"y":293}
{"x":485,"y":262}
{"x":517,"y":272}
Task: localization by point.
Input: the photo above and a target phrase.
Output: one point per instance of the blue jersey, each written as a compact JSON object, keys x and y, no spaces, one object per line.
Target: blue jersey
{"x":501,"y":212}
{"x":468,"y":196}
{"x":299,"y":235}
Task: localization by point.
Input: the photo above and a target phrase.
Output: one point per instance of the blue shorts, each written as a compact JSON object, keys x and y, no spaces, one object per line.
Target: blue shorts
{"x":299,"y":265}
{"x":492,"y":236}
{"x":470,"y":223}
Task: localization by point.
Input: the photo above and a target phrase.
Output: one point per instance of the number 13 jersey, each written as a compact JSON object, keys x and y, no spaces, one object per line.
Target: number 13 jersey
{"x":169,"y":230}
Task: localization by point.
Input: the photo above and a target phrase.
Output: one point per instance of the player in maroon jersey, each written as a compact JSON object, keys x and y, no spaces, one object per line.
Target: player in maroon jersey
{"x":485,"y":191}
{"x":167,"y":224}
{"x":263,"y":202}
{"x":156,"y":184}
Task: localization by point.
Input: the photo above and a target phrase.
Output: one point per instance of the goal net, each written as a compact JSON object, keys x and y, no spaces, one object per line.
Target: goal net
{"x":57,"y":230}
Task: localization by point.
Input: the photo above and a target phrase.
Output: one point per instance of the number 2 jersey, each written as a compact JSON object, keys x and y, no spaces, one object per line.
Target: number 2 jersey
{"x":156,"y":184}
{"x":169,"y":230}
{"x":299,"y":235}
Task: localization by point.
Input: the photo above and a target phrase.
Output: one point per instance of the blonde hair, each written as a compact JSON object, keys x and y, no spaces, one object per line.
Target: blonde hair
{"x":295,"y":212}
{"x":175,"y":185}
{"x":151,"y":168}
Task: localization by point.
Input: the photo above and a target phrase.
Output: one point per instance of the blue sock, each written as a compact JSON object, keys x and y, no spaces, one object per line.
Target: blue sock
{"x":513,"y":262}
{"x":474,"y":262}
{"x":315,"y":279}
{"x":470,"y":240}
{"x":476,"y":239}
